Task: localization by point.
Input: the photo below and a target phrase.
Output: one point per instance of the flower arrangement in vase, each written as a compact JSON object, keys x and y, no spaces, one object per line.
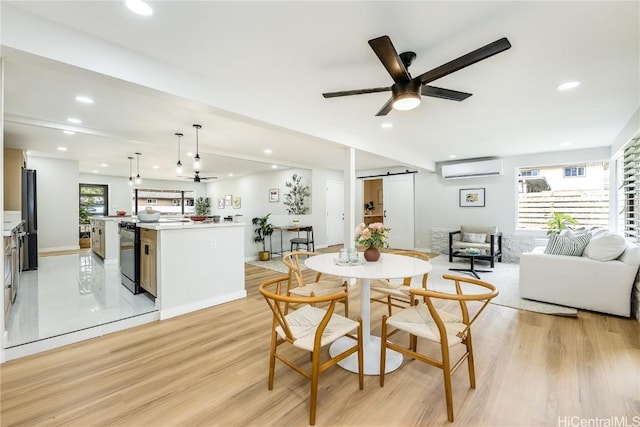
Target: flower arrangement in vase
{"x":374,"y":236}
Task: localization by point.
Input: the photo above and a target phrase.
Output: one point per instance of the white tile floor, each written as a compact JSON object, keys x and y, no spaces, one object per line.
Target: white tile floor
{"x":70,"y":293}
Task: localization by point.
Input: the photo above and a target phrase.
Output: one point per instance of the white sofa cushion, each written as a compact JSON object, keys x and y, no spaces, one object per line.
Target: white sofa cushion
{"x":605,"y":247}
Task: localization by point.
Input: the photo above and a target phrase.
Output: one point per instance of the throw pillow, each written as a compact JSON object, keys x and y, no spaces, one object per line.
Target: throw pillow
{"x":605,"y":247}
{"x":570,"y":245}
{"x":474,"y":237}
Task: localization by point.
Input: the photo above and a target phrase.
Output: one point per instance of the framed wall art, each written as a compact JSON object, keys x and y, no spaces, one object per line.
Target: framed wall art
{"x":221,"y":203}
{"x":228,"y":200}
{"x":236,"y":203}
{"x":472,"y":197}
{"x":274,"y":195}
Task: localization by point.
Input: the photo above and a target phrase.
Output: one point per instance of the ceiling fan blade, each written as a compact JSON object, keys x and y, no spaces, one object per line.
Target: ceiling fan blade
{"x":356,"y":92}
{"x":387,"y":54}
{"x":438,"y":92}
{"x":465,"y":60}
{"x":386,"y":108}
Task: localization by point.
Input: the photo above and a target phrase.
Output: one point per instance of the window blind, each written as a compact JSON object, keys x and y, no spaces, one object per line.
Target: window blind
{"x":630,"y":191}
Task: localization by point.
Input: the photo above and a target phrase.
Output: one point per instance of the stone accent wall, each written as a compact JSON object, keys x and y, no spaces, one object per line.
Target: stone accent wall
{"x":512,"y":246}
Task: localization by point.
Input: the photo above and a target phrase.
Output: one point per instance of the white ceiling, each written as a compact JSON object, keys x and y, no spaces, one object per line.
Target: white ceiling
{"x":252,"y":74}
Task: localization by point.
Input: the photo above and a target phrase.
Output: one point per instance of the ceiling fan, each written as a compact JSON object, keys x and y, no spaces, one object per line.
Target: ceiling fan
{"x":197,"y":178}
{"x":406,"y":90}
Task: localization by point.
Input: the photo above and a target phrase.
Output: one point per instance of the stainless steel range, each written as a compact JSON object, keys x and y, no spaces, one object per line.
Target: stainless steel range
{"x":130,"y":256}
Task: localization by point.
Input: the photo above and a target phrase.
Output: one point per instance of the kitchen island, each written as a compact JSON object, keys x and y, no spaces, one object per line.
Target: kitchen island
{"x":194,"y":265}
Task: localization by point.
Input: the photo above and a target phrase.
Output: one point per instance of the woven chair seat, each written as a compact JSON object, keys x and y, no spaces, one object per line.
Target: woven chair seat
{"x":417,"y":320}
{"x":304,"y":322}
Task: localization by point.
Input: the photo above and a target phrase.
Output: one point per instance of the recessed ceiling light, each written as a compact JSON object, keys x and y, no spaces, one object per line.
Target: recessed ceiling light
{"x":568,"y":85}
{"x":190,"y":154}
{"x":69,"y":132}
{"x":155,"y":167}
{"x":565,"y":143}
{"x":274,"y":166}
{"x":387,"y":125}
{"x":104,"y":165}
{"x":453,"y":156}
{"x":84,"y":99}
{"x":139,"y":7}
{"x":267,"y":151}
{"x":229,"y":174}
{"x":62,"y":148}
{"x":94,"y":171}
{"x":74,"y":120}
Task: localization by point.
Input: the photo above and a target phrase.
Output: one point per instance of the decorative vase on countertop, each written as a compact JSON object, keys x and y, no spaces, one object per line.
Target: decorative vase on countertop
{"x":372,"y":254}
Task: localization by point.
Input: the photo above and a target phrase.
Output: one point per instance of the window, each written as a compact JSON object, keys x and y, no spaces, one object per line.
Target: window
{"x":572,"y":171}
{"x":628,"y":196}
{"x":545,"y":189}
{"x":169,"y":202}
{"x":94,"y":199}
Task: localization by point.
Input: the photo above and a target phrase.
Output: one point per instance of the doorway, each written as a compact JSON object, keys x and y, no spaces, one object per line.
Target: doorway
{"x":390,"y":199}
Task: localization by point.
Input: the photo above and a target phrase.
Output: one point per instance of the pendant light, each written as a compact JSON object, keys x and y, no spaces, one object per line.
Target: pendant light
{"x":179,"y":164}
{"x":130,"y":175}
{"x":196,"y":159}
{"x":138,"y":179}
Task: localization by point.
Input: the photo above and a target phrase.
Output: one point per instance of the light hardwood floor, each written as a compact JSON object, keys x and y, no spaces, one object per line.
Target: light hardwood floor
{"x":209,"y":368}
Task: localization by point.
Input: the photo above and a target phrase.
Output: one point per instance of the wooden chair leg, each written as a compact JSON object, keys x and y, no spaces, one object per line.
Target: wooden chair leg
{"x":315,"y":369}
{"x":446,"y":370}
{"x":346,"y":306}
{"x":470,"y":363}
{"x":360,"y":355}
{"x":272,"y":359}
{"x":383,"y":349}
{"x":389,"y":304}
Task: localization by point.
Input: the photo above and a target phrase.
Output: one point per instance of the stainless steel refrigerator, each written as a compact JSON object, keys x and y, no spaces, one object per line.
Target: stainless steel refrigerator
{"x":30,"y":217}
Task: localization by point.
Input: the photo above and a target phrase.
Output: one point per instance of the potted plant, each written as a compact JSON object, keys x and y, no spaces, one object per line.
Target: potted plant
{"x":203,"y":205}
{"x":559,"y":222}
{"x":263,"y":228}
{"x":85,"y":235}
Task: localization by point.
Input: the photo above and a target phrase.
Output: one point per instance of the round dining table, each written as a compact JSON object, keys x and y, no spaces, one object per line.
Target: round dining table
{"x":389,"y":266}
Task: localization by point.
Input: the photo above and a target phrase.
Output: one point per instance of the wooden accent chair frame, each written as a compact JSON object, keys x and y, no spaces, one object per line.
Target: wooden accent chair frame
{"x":424,"y":320}
{"x":318,"y":288}
{"x":395,"y":293}
{"x":309,"y":328}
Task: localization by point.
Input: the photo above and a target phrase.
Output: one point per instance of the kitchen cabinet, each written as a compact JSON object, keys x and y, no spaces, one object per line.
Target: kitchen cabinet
{"x":105,"y":241}
{"x":97,"y":237}
{"x":12,"y":172}
{"x":148,"y":261}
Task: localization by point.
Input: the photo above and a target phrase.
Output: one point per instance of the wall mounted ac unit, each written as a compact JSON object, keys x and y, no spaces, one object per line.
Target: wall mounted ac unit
{"x":472,"y":169}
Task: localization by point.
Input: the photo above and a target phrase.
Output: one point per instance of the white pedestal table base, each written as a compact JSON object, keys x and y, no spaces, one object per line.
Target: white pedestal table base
{"x":371,"y":356}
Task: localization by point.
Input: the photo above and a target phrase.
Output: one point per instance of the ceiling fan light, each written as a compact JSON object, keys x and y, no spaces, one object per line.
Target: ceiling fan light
{"x":406,"y":101}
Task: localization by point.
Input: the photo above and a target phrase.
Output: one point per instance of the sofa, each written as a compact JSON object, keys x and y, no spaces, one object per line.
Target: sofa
{"x":601,"y":279}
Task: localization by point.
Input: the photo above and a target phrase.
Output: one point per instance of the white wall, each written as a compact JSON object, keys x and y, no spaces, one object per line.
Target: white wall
{"x":254,"y":193}
{"x":58,"y":201}
{"x":437,"y":200}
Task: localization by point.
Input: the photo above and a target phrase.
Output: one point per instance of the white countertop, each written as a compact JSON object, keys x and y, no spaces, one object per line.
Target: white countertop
{"x":187,"y":225}
{"x":12,"y":219}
